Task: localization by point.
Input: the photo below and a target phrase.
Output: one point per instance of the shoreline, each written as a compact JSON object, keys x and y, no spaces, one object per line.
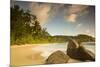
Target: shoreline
{"x":28,"y":54}
{"x":29,"y":45}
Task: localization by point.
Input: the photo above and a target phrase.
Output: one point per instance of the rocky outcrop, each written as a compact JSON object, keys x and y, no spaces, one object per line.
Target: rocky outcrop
{"x":77,"y":51}
{"x":57,"y":57}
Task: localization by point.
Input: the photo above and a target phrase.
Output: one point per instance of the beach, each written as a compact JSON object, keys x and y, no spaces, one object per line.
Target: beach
{"x":35,"y":54}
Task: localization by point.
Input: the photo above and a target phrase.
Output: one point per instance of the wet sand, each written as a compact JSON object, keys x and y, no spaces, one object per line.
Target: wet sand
{"x":24,"y":55}
{"x":33,"y":54}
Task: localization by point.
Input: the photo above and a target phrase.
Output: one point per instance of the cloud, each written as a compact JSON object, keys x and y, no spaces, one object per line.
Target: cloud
{"x":41,"y":11}
{"x":73,"y":11}
{"x":44,"y":10}
{"x":71,"y":18}
{"x":56,"y":8}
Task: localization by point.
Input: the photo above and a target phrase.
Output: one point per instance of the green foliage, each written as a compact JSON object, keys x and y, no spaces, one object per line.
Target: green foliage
{"x":25,"y":28}
{"x":84,"y":38}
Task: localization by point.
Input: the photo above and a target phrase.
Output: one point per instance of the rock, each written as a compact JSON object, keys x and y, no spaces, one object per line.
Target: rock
{"x":77,"y":51}
{"x":57,"y":57}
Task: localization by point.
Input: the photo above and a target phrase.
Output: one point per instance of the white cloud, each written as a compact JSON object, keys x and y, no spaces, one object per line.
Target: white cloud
{"x":44,"y":10}
{"x":71,"y":18}
{"x":41,"y":11}
{"x":73,"y":11}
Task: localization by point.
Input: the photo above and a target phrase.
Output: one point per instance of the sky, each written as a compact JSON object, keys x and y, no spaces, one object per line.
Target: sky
{"x":63,"y":19}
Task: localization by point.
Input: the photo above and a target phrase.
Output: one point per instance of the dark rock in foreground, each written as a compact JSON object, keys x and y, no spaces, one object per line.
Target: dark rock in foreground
{"x":57,"y":57}
{"x":77,"y":51}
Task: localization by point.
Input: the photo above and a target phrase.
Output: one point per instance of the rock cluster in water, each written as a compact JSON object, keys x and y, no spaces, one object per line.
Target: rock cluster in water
{"x":77,"y":51}
{"x":74,"y":51}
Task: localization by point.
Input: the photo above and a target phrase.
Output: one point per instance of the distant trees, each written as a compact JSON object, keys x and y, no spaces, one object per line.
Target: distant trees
{"x":84,"y":38}
{"x":25,"y":25}
{"x":25,"y":28}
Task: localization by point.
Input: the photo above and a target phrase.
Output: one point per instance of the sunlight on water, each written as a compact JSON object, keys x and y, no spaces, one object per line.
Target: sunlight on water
{"x":90,"y":46}
{"x":50,"y":48}
{"x":30,"y":54}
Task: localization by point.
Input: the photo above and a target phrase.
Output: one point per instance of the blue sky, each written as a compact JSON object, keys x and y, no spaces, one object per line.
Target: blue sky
{"x":63,"y":19}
